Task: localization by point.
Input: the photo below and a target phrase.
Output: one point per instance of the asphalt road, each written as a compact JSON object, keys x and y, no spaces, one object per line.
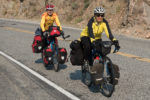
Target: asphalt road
{"x":16,"y":39}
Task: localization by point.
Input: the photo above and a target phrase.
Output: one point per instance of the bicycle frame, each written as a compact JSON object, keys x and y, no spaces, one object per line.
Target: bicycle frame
{"x":52,"y":43}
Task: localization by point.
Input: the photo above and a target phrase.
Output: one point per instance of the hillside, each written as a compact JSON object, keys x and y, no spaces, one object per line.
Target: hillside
{"x":78,"y":12}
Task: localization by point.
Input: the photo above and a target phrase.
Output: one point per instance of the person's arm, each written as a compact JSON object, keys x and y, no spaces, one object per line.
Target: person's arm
{"x":86,"y":33}
{"x":90,"y":29}
{"x":42,"y":23}
{"x":108,"y":31}
{"x":57,"y":21}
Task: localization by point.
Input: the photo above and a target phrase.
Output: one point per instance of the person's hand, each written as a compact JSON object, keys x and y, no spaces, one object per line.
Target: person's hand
{"x":116,"y":43}
{"x":45,"y":33}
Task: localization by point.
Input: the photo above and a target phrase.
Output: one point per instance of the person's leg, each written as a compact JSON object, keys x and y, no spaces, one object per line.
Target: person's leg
{"x":85,"y":41}
{"x":98,"y":44}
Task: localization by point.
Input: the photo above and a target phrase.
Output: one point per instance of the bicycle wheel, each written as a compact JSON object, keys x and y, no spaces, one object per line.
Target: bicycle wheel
{"x":45,"y":65}
{"x":86,"y":76}
{"x":55,"y":61}
{"x":107,"y":86}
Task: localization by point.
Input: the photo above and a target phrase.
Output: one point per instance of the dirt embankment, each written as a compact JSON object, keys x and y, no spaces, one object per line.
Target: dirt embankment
{"x":134,"y":21}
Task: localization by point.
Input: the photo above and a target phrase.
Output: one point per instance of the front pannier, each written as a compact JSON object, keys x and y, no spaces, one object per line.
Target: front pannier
{"x":116,"y":72}
{"x":62,"y":56}
{"x":76,"y":54}
{"x":48,"y":55}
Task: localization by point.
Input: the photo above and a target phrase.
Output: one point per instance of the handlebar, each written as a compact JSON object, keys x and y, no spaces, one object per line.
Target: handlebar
{"x":64,"y":37}
{"x":116,"y":50}
{"x":46,"y":34}
{"x":117,"y":47}
{"x":107,"y":44}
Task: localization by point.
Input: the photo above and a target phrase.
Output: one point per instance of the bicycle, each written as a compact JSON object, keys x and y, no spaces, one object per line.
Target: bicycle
{"x":51,"y":44}
{"x":107,"y":82}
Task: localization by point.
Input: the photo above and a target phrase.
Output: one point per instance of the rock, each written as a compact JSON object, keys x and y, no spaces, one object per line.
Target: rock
{"x":148,"y":36}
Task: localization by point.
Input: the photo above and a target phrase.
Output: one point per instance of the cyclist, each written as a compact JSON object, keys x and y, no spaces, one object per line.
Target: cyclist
{"x":92,"y":34}
{"x":48,"y":18}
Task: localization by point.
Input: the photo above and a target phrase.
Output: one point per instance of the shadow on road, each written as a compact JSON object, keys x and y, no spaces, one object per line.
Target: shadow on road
{"x":77,"y":75}
{"x":38,"y":61}
{"x":61,"y":66}
{"x":50,"y":67}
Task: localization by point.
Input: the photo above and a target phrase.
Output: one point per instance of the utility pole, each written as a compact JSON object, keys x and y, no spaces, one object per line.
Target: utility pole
{"x":46,"y":2}
{"x":21,"y":6}
{"x":128,"y":11}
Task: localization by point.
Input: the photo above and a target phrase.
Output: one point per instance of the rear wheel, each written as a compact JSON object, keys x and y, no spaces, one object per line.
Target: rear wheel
{"x":107,"y":86}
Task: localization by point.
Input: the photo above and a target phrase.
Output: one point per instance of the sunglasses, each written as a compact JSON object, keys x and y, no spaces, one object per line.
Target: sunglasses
{"x":50,"y":10}
{"x":98,"y":15}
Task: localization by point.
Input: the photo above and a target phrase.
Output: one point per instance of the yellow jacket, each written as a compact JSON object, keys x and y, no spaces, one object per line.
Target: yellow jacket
{"x":98,"y":29}
{"x":47,"y":21}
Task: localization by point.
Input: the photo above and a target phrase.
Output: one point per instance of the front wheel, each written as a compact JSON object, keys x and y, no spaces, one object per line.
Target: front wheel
{"x":86,"y":76}
{"x":107,"y":86}
{"x":43,"y":58}
{"x":55,"y":62}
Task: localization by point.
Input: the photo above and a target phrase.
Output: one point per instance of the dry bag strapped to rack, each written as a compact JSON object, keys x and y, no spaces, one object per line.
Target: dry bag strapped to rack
{"x":54,"y":31}
{"x":62,"y":56}
{"x":76,"y":54}
{"x":97,"y":73}
{"x":48,"y":55}
{"x":37,"y":45}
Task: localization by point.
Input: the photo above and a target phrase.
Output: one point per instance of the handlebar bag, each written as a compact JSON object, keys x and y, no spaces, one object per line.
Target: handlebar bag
{"x":106,"y":47}
{"x":54,"y":31}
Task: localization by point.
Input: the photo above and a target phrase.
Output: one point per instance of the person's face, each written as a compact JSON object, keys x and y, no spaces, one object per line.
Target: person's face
{"x":50,"y":12}
{"x":99,"y":17}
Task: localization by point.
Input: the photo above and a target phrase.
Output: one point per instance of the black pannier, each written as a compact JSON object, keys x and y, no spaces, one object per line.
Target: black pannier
{"x":62,"y":56}
{"x":76,"y":54}
{"x":116,"y":72}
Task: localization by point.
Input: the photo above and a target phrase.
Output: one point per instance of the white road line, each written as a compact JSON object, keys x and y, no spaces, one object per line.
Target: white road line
{"x":71,"y":96}
{"x":37,"y":23}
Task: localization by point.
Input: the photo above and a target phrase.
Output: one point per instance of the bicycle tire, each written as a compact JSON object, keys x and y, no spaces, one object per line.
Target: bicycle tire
{"x":107,"y":87}
{"x":55,"y":60}
{"x":45,"y":65}
{"x":86,"y":77}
